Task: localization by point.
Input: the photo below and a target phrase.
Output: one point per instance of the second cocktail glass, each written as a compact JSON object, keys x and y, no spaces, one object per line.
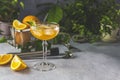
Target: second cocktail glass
{"x":44,"y":32}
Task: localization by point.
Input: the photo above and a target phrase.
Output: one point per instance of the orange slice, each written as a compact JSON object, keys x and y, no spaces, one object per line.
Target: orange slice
{"x":17,"y":64}
{"x":30,"y":18}
{"x":18,"y":25}
{"x":5,"y":58}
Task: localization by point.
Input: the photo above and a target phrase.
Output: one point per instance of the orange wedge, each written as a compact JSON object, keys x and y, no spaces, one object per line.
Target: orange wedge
{"x":5,"y":58}
{"x":30,"y":18}
{"x":17,"y":64}
{"x":18,"y":25}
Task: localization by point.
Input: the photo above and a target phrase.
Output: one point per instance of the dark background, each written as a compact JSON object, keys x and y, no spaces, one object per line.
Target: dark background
{"x":31,"y":9}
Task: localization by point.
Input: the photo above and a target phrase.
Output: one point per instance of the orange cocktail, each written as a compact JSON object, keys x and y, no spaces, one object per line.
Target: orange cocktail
{"x":44,"y":32}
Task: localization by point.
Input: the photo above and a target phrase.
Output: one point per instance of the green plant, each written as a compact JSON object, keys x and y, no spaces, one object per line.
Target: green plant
{"x":35,"y":45}
{"x":85,"y":17}
{"x":3,"y":39}
{"x":108,"y":24}
{"x":61,"y":38}
{"x":9,"y":9}
{"x":52,"y":12}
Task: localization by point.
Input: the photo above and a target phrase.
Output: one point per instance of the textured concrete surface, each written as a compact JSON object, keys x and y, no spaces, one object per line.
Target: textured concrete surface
{"x":94,"y":62}
{"x":6,"y":48}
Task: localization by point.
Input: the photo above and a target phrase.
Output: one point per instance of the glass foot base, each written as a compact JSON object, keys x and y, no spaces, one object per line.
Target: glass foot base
{"x":43,"y":66}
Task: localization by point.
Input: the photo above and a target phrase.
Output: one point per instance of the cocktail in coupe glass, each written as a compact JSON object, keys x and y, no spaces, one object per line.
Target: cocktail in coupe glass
{"x":44,"y":32}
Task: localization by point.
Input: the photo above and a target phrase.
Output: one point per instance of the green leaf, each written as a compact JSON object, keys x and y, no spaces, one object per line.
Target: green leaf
{"x":22,"y":4}
{"x":32,"y":23}
{"x":2,"y":39}
{"x":55,"y":14}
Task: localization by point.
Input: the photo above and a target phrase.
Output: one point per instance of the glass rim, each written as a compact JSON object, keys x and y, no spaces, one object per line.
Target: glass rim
{"x":45,"y":23}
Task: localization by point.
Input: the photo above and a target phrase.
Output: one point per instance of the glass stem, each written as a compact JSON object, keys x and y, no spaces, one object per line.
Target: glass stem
{"x":44,"y":44}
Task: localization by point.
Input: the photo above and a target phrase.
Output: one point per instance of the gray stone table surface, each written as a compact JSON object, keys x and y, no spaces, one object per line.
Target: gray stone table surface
{"x":7,"y":48}
{"x":94,"y":62}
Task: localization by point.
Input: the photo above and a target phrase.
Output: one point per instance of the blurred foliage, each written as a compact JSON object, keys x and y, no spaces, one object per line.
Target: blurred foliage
{"x":35,"y":45}
{"x":10,"y":9}
{"x":3,"y":39}
{"x":61,"y":38}
{"x":52,"y":12}
{"x":85,"y":17}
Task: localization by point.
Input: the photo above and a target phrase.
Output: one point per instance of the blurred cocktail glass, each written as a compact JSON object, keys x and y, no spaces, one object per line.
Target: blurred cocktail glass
{"x":22,"y":37}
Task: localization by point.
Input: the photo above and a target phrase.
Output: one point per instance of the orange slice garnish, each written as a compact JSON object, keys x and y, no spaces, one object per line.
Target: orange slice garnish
{"x":18,"y":25}
{"x":30,"y":18}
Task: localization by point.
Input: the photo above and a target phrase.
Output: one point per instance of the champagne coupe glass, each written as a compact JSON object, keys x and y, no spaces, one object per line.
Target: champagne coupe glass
{"x":44,"y":32}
